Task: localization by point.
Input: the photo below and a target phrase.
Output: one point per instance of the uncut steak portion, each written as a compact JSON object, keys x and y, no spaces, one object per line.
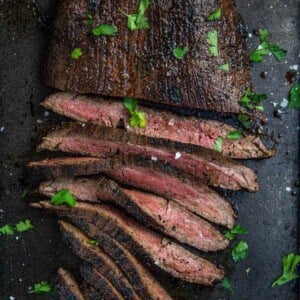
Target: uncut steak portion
{"x":144,"y":243}
{"x":141,"y":64}
{"x":160,"y":124}
{"x":96,"y":141}
{"x":67,"y":286}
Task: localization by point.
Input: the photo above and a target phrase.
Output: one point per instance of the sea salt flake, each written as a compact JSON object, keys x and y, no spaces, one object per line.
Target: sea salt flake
{"x":154,"y":158}
{"x":177,"y":155}
{"x":284,"y":103}
{"x":288,"y":189}
{"x":294,"y":67}
{"x":2,"y":129}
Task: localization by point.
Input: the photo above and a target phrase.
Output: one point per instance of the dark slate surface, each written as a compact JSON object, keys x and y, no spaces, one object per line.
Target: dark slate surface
{"x":270,"y":215}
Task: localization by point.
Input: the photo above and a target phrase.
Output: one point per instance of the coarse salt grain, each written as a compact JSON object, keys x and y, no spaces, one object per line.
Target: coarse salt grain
{"x":154,"y":158}
{"x":2,"y":129}
{"x":177,"y":155}
{"x":46,"y":113}
{"x":294,"y":67}
{"x":171,"y":122}
{"x":288,"y":189}
{"x":284,"y":103}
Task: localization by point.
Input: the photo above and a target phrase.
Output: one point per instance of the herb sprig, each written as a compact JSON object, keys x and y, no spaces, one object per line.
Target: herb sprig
{"x":63,"y":197}
{"x":138,"y":118}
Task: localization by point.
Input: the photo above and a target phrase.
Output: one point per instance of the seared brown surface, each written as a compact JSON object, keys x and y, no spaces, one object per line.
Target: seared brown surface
{"x":97,"y":141}
{"x":67,"y":286}
{"x":141,"y":241}
{"x":88,"y":291}
{"x":160,"y":124}
{"x":97,"y":257}
{"x":140,"y":64}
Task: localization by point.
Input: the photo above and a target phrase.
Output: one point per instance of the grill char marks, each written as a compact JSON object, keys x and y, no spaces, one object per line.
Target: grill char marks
{"x":154,"y":211}
{"x":67,"y":286}
{"x":94,"y":255}
{"x":160,"y":124}
{"x":149,"y":70}
{"x":96,"y":141}
{"x":144,"y":243}
{"x":88,"y":291}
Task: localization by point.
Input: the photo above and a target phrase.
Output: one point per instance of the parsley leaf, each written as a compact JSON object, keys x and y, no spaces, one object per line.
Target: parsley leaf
{"x":227,"y":285}
{"x":63,"y":197}
{"x":24,"y":226}
{"x":89,"y":20}
{"x":105,"y":29}
{"x":6,"y":230}
{"x":263,"y":34}
{"x":24,"y":193}
{"x":76,"y":53}
{"x":179,"y":52}
{"x":278,"y":52}
{"x":289,"y":265}
{"x":93,"y":242}
{"x":245,"y":120}
{"x":225,"y":67}
{"x":41,"y":288}
{"x":295,"y":96}
{"x":234,"y":135}
{"x":252,"y":100}
{"x":218,"y":144}
{"x":215,"y":15}
{"x":240,"y":251}
{"x":212,"y":40}
{"x":138,"y":118}
{"x":237,"y":229}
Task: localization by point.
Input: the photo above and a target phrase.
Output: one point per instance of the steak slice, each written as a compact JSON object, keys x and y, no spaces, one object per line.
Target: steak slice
{"x":152,"y":176}
{"x":140,"y":63}
{"x":154,"y":211}
{"x":101,"y":285}
{"x":160,"y":124}
{"x":67,"y":286}
{"x":140,"y":241}
{"x":96,"y":141}
{"x":97,"y":257}
{"x":88,"y":291}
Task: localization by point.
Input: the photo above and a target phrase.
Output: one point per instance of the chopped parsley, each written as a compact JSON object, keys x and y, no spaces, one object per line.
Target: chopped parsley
{"x":138,"y":20}
{"x":252,"y":100}
{"x":63,"y":197}
{"x":234,"y":135}
{"x":138,"y":118}
{"x":41,"y":288}
{"x":265,"y":48}
{"x":76,"y":53}
{"x":105,"y":29}
{"x":218,"y":144}
{"x":245,"y":120}
{"x":294,"y":101}
{"x":24,"y":193}
{"x":215,"y":15}
{"x":179,"y":52}
{"x":225,"y":67}
{"x":232,"y":233}
{"x":93,"y":242}
{"x":89,"y":20}
{"x":227,"y":285}
{"x":240,"y":251}
{"x":212,"y":40}
{"x":24,"y":226}
{"x":289,"y":272}
{"x":6,"y":230}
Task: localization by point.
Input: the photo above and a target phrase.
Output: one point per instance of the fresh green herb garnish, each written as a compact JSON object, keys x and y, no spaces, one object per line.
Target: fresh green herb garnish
{"x":138,"y":20}
{"x":105,"y":29}
{"x":295,"y":96}
{"x":265,"y":48}
{"x":76,"y":53}
{"x":234,"y":135}
{"x":245,"y":120}
{"x":289,"y":265}
{"x":6,"y":230}
{"x":89,"y":20}
{"x":138,"y":119}
{"x":212,"y":40}
{"x":179,"y":52}
{"x":248,"y":271}
{"x":225,"y":67}
{"x":41,"y":288}
{"x":93,"y":242}
{"x":240,"y":251}
{"x":24,"y":193}
{"x":215,"y":15}
{"x":252,"y":100}
{"x":227,"y":285}
{"x":218,"y":144}
{"x":63,"y":197}
{"x":24,"y":226}
{"x":232,"y":233}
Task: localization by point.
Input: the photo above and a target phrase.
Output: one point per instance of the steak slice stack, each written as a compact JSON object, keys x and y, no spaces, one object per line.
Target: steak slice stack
{"x":160,"y":124}
{"x":154,"y":211}
{"x":141,"y":241}
{"x":88,"y":291}
{"x":141,"y":64}
{"x":96,"y":141}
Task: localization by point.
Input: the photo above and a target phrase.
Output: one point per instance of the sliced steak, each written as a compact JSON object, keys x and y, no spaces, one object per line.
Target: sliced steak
{"x":152,"y":176}
{"x":101,"y":285}
{"x":154,"y":211}
{"x":160,"y":124}
{"x":141,"y":241}
{"x":140,"y":63}
{"x":67,"y":286}
{"x":96,"y":256}
{"x":89,"y":292}
{"x":96,"y":141}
